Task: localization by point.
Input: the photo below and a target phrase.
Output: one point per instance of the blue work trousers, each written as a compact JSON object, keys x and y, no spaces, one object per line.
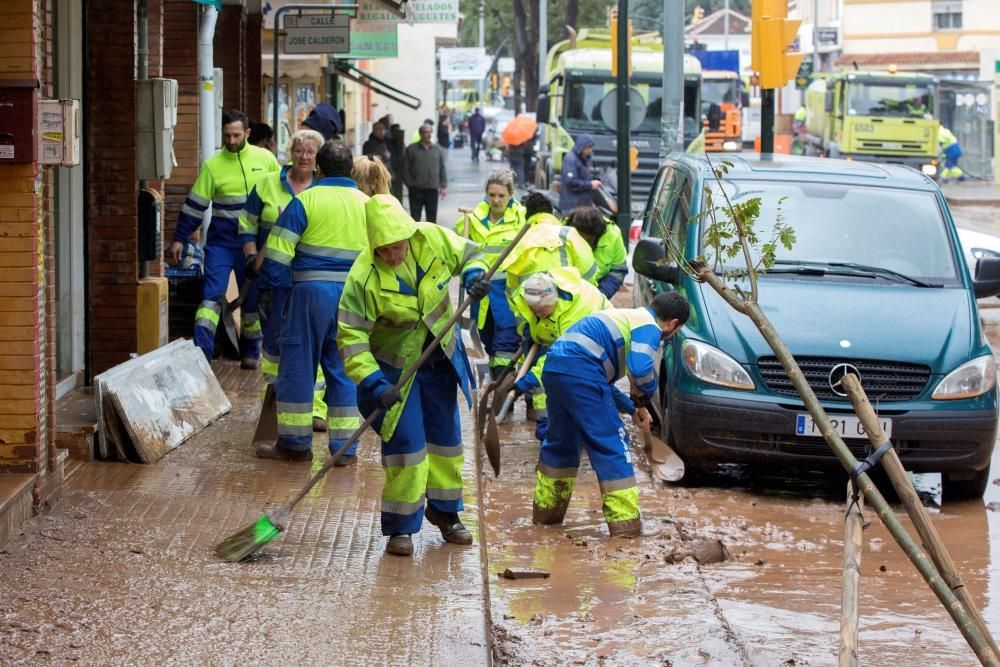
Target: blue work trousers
{"x":423,"y":458}
{"x":582,"y":413}
{"x":499,"y":332}
{"x":219,"y":262}
{"x":309,"y":338}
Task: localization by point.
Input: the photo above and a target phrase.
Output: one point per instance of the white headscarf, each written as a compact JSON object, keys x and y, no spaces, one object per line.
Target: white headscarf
{"x":540,"y":291}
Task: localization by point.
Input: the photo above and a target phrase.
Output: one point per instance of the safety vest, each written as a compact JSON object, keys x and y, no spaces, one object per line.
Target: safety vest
{"x":224,"y":182}
{"x":577,"y":299}
{"x":544,"y":219}
{"x":610,"y":254}
{"x":266,"y":202}
{"x":492,"y":238}
{"x":946,"y":137}
{"x":382,"y":319}
{"x":546,"y":247}
{"x":611,"y":342}
{"x":319,"y":235}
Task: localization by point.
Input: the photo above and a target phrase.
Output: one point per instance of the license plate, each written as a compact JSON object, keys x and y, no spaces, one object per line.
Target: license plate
{"x":892,"y":145}
{"x":848,"y":426}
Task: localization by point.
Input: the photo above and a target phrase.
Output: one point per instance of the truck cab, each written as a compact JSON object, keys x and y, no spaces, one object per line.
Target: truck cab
{"x":721,"y":107}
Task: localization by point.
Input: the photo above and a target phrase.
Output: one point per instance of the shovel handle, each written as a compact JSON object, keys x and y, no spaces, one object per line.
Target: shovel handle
{"x":525,"y":367}
{"x":407,"y":374}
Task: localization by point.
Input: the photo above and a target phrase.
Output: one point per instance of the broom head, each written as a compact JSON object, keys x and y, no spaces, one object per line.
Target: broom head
{"x":243,"y":544}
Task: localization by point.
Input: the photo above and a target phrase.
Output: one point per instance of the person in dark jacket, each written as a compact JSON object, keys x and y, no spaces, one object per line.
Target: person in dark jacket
{"x":577,"y":179}
{"x":397,"y":144}
{"x":326,"y":120}
{"x":378,"y":146}
{"x":477,"y":126}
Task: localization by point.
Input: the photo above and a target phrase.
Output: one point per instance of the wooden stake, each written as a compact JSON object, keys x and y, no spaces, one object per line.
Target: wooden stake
{"x":921,"y":561}
{"x":914,"y":508}
{"x":849,"y":595}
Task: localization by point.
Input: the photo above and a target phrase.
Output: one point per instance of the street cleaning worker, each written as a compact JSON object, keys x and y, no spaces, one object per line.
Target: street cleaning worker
{"x":266,"y":202}
{"x":546,"y":245}
{"x":395,"y":301}
{"x":952,"y":151}
{"x":224,"y":182}
{"x":547,"y":305}
{"x":492,"y":225}
{"x":314,"y":244}
{"x":605,"y":238}
{"x":371,"y":175}
{"x":581,"y":368}
{"x":577,"y":179}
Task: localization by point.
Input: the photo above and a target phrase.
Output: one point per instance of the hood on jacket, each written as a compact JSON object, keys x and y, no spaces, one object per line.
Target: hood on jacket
{"x":582,"y":142}
{"x":387,"y":221}
{"x":325,"y":119}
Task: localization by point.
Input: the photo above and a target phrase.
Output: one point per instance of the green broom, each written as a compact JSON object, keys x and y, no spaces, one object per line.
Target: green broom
{"x":272,"y":523}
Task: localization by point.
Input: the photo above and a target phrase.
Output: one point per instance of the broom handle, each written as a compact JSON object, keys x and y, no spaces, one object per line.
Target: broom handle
{"x":409,"y":373}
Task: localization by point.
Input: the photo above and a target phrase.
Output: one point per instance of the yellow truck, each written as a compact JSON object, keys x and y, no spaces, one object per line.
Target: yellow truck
{"x":873,"y":116}
{"x":580,"y":80}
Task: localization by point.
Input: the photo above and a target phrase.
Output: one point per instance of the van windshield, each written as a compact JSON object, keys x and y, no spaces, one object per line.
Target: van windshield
{"x":838,"y":227}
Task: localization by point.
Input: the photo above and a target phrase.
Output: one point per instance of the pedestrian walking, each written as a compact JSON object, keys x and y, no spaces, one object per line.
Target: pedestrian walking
{"x":477,"y":126}
{"x":267,"y":200}
{"x":224,"y":182}
{"x":314,"y":244}
{"x":262,"y":135}
{"x":325,"y":119}
{"x":516,"y":155}
{"x":605,"y":239}
{"x":444,"y":128}
{"x":546,"y":305}
{"x":581,"y":368}
{"x":395,"y":301}
{"x":425,"y":175}
{"x":492,"y":225}
{"x":377,"y":145}
{"x":577,"y":178}
{"x":371,"y":176}
{"x":397,"y":146}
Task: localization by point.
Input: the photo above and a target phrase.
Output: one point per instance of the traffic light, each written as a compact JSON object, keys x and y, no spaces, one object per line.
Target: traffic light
{"x":505,"y":91}
{"x":771,"y":33}
{"x":614,"y":44}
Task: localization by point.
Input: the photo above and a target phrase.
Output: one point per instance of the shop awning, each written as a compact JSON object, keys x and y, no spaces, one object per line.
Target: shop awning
{"x":352,"y":73}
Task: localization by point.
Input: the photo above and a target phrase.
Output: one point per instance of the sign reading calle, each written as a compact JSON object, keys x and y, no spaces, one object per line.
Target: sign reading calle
{"x":318,"y":33}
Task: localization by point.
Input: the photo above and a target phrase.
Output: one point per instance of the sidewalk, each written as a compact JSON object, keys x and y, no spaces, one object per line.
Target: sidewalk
{"x":972,"y":193}
{"x":123,"y":569}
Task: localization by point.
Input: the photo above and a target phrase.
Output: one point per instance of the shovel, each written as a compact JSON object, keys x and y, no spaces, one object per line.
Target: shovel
{"x":267,"y":421}
{"x":489,"y":387}
{"x":229,"y":308}
{"x":663,"y":461}
{"x":491,"y":441}
{"x":508,"y":402}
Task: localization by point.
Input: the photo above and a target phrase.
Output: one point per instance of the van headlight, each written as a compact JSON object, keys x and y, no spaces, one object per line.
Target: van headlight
{"x":929,"y":169}
{"x":714,"y":366}
{"x":973,"y":378}
{"x":730,"y":146}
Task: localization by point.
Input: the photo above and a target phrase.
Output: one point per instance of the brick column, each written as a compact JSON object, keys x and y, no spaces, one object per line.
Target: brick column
{"x":253,"y":79}
{"x":113,"y":187}
{"x":180,"y":61}
{"x":229,"y":55}
{"x":23,"y":353}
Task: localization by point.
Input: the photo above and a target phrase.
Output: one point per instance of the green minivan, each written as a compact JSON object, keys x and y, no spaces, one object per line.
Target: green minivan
{"x":876,"y":284}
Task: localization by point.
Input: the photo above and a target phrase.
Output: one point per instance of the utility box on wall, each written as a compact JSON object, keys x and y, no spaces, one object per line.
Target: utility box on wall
{"x":59,"y":132}
{"x":18,"y":111}
{"x":156,"y":117}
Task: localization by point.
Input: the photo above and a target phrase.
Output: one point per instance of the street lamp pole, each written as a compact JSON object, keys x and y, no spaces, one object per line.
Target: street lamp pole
{"x":815,"y":35}
{"x":543,"y":38}
{"x":624,"y":217}
{"x":482,"y":44}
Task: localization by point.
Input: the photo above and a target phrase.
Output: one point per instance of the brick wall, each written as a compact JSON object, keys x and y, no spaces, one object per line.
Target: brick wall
{"x":180,"y":61}
{"x":253,"y":86}
{"x":23,"y":356}
{"x":111,"y":141}
{"x":229,"y":50}
{"x":47,"y":288}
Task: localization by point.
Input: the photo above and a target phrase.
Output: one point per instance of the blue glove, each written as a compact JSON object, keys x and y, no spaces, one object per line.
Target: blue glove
{"x":541,"y":429}
{"x":526,"y":384}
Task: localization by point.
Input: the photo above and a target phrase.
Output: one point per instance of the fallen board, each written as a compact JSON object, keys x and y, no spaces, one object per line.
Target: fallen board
{"x":149,"y":405}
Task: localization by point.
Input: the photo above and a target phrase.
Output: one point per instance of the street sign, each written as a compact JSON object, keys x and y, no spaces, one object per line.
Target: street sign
{"x":804,"y":75}
{"x":318,"y":33}
{"x":418,"y":11}
{"x":458,"y":64}
{"x":373,"y":40}
{"x":827,"y":36}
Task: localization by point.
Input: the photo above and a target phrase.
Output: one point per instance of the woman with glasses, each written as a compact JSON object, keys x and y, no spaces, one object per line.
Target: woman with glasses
{"x":266,"y":202}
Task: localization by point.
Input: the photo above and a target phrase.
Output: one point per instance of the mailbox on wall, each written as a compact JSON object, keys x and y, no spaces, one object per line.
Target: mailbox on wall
{"x":18,"y":113}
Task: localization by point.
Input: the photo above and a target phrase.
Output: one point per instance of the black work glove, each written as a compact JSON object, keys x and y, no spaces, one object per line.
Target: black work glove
{"x":388,"y":397}
{"x":479,"y":288}
{"x":265,"y":299}
{"x":251,"y":267}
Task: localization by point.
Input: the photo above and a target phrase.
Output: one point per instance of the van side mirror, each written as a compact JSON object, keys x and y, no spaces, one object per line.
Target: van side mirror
{"x":649,"y":260}
{"x":828,"y":102}
{"x":542,"y":109}
{"x":987,"y":280}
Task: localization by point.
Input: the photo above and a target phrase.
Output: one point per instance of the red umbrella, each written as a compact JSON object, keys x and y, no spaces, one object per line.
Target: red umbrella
{"x":519,"y":130}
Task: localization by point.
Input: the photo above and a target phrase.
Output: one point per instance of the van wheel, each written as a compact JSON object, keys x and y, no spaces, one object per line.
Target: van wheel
{"x":964,"y":489}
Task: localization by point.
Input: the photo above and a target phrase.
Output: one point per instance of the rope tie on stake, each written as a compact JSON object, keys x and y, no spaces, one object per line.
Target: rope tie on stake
{"x":864,"y":466}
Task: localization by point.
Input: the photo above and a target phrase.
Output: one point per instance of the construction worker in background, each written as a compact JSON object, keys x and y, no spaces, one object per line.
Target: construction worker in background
{"x":952,"y":151}
{"x":224,"y":182}
{"x":314,"y":244}
{"x":577,"y":179}
{"x":547,"y":305}
{"x":799,"y":131}
{"x":396,"y":300}
{"x":581,"y":368}
{"x":492,"y":225}
{"x":266,"y":202}
{"x":917,"y":106}
{"x":547,"y":245}
{"x":325,"y":119}
{"x":262,"y":135}
{"x":605,"y":238}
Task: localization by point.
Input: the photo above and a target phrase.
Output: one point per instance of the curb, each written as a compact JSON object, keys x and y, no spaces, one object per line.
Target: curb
{"x":960,"y":201}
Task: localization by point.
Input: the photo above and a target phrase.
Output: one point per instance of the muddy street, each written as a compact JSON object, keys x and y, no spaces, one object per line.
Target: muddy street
{"x":122,"y":571}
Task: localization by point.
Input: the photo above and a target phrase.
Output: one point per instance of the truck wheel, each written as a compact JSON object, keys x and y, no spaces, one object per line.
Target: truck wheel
{"x":964,"y":489}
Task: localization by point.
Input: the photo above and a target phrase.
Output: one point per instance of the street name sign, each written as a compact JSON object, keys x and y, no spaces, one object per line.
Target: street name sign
{"x":318,"y":33}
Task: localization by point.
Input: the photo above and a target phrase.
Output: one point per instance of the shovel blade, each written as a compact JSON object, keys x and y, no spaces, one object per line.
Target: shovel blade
{"x":663,"y":461}
{"x":267,"y":421}
{"x":482,"y":408}
{"x":491,"y":443}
